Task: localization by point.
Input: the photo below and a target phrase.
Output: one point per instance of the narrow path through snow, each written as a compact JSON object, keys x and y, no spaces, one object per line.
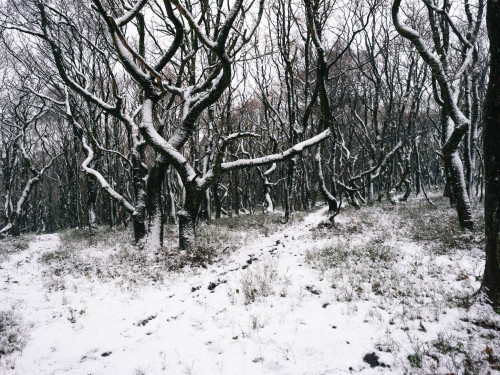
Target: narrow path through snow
{"x":261,"y":310}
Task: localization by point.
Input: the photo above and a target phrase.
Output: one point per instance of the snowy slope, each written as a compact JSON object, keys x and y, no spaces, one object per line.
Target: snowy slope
{"x":264,"y":309}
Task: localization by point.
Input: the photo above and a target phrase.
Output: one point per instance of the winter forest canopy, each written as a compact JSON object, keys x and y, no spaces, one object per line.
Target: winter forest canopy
{"x":168,"y":111}
{"x":168,"y":116}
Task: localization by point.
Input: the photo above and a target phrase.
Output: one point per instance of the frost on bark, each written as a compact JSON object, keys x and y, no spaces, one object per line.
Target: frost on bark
{"x":187,"y":218}
{"x":453,"y":164}
{"x":154,"y":201}
{"x":333,"y":205}
{"x":154,"y":237}
{"x":91,"y":205}
{"x":217,"y":200}
{"x":491,"y":146}
{"x":187,"y":230}
{"x":268,"y":201}
{"x":171,"y":202}
{"x":139,"y":214}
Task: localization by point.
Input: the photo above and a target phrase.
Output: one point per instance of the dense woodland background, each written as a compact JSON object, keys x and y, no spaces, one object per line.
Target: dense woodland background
{"x":143,"y":113}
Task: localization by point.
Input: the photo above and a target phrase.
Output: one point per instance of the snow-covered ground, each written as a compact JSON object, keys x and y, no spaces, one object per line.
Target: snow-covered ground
{"x":362,"y":298}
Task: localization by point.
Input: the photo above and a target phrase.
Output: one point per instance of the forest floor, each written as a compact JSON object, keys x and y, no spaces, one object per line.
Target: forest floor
{"x":389,"y":289}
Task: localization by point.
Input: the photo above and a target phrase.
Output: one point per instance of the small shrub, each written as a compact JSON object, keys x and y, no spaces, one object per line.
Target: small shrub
{"x":329,"y":256}
{"x":437,"y":226}
{"x":198,"y":256}
{"x":13,"y":335}
{"x":56,"y":256}
{"x":12,"y":245}
{"x":332,"y":256}
{"x":415,"y":360}
{"x":259,"y":281}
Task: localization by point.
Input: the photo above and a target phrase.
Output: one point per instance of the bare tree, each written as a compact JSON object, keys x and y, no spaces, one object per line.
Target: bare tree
{"x":25,"y":156}
{"x":491,"y":279}
{"x":446,"y":85}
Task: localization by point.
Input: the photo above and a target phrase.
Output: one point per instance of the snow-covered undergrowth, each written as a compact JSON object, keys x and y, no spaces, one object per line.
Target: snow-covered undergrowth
{"x":13,"y":333}
{"x":390,"y":289}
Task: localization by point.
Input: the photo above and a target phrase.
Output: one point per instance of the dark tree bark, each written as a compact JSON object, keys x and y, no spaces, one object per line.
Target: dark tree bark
{"x":491,"y":146}
{"x":154,"y":201}
{"x":91,"y":204}
{"x":333,"y":206}
{"x":217,"y":200}
{"x":188,"y":216}
{"x":447,"y":98}
{"x":138,"y":216}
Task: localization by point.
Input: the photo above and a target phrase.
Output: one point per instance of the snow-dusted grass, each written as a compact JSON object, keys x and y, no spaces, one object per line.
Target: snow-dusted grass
{"x":419,"y":272}
{"x":12,"y":245}
{"x":13,"y":331}
{"x":381,"y":289}
{"x":110,"y":255}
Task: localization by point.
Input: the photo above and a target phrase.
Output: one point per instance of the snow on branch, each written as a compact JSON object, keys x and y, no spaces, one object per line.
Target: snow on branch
{"x":466,"y":42}
{"x":245,"y":38}
{"x":220,"y":168}
{"x":235,"y":136}
{"x":127,"y":17}
{"x":231,"y":138}
{"x":194,"y":24}
{"x":433,"y":62}
{"x":90,"y":156}
{"x":102,"y":181}
{"x":375,"y":171}
{"x":160,"y":145}
{"x":269,"y":159}
{"x":27,"y":190}
{"x":59,"y":61}
{"x":176,"y":43}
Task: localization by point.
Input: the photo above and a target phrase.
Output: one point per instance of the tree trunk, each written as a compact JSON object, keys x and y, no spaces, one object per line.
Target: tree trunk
{"x":234,"y":193}
{"x":446,"y":130}
{"x":491,"y":146}
{"x":171,"y":204}
{"x":187,"y":218}
{"x":91,"y":205}
{"x":154,"y":203}
{"x":370,"y":191}
{"x":333,"y":206}
{"x":306,"y":190}
{"x":139,"y":214}
{"x":453,"y":164}
{"x":268,"y":202}
{"x":16,"y":225}
{"x":217,"y":201}
{"x":290,"y":188}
